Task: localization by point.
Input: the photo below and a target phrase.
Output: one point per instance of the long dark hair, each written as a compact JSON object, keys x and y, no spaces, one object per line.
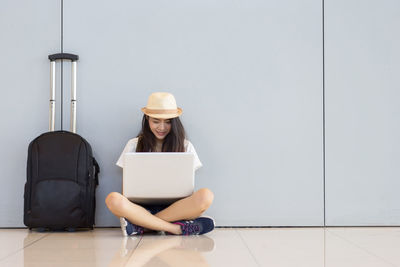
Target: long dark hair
{"x":173,"y":142}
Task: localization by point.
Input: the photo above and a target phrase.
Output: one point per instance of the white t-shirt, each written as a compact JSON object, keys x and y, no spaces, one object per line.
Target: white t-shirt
{"x":131,"y":147}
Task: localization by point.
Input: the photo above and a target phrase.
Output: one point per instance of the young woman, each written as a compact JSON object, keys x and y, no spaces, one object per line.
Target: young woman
{"x":162,"y":131}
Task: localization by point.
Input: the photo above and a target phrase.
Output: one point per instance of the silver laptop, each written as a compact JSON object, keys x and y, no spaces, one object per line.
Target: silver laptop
{"x":158,"y":178}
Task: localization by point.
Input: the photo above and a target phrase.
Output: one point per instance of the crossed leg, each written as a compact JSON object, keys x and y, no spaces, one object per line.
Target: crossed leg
{"x":187,"y":208}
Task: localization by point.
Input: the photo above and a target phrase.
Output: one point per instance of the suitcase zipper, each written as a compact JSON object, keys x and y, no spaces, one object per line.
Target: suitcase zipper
{"x":29,"y":211}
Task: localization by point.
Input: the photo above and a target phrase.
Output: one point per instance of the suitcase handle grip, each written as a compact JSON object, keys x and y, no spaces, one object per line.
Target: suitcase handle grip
{"x":52,"y":110}
{"x":63,"y":56}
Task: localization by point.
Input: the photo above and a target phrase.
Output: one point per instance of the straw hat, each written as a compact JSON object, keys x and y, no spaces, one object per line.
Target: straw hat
{"x":162,"y":106}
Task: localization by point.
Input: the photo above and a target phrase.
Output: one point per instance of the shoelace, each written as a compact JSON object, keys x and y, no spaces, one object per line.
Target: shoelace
{"x":189,"y":227}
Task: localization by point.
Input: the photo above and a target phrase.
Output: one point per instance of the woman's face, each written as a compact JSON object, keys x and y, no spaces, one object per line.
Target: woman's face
{"x":160,"y":127}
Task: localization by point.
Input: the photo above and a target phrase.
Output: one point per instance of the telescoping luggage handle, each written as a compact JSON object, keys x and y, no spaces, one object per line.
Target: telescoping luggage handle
{"x":53,"y":58}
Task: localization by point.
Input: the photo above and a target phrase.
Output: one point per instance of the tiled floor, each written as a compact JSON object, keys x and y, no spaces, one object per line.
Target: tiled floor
{"x":277,"y":247}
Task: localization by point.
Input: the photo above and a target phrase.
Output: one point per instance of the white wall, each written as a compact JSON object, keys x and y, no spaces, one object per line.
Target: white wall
{"x":362,"y":112}
{"x":29,"y":32}
{"x":248,"y":75}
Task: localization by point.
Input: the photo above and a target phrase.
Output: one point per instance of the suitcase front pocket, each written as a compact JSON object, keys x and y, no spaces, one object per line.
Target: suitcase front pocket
{"x":57,"y":203}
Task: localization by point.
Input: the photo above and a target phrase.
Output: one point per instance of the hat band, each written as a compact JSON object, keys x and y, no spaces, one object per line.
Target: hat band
{"x":161,"y":111}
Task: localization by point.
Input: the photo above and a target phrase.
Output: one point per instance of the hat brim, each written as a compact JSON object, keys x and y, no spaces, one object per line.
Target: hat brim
{"x":163,"y":116}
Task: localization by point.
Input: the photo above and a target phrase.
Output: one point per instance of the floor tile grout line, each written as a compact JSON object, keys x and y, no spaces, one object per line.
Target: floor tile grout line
{"x":21,"y":249}
{"x":46,"y":235}
{"x":133,"y":252}
{"x":363,"y":249}
{"x":251,"y":253}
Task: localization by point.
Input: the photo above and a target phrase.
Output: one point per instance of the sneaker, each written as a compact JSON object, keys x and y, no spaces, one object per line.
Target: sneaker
{"x":130,"y":229}
{"x":199,"y":226}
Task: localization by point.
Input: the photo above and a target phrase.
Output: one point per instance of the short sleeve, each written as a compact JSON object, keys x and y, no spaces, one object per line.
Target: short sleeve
{"x":129,"y":147}
{"x":197,"y":163}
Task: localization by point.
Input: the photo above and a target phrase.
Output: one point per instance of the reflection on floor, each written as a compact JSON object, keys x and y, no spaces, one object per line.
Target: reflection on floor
{"x":308,"y":247}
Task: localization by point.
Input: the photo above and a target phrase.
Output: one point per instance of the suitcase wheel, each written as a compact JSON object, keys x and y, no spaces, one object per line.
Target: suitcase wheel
{"x":71,"y":229}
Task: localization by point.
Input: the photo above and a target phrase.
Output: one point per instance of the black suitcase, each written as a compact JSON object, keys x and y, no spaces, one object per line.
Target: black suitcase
{"x":62,"y":173}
